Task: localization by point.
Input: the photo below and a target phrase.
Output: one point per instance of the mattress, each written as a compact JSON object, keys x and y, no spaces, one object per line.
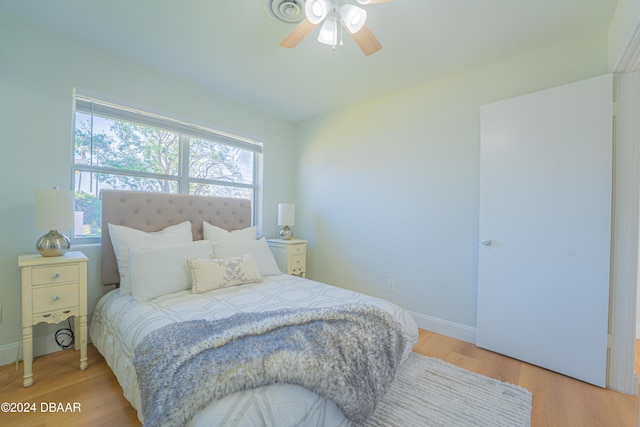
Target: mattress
{"x":119,"y":323}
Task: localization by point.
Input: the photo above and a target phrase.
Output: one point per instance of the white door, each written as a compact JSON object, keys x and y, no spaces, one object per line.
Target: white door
{"x":545,"y":228}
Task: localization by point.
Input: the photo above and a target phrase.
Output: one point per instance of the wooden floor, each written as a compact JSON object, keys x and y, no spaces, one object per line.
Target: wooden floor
{"x":558,"y":400}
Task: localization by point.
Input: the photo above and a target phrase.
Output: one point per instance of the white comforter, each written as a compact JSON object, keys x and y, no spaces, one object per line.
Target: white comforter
{"x":119,"y":323}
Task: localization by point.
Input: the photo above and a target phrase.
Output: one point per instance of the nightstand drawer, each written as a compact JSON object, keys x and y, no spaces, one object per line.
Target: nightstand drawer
{"x":297,"y":261}
{"x":298,"y":249}
{"x":49,"y":298}
{"x":55,"y":274}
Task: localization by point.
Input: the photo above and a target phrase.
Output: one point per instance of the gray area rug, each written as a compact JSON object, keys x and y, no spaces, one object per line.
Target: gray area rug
{"x":430,"y":392}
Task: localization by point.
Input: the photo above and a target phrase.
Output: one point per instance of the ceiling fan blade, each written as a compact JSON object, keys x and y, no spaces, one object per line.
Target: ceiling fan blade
{"x":368,"y":43}
{"x":298,"y":34}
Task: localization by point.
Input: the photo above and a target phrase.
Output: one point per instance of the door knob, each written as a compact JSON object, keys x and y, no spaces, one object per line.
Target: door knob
{"x":486,"y":242}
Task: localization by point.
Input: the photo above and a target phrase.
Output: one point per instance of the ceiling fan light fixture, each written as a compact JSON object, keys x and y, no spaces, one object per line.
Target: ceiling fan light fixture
{"x":353,"y":17}
{"x":316,"y":10}
{"x":329,"y":32}
{"x":333,"y":15}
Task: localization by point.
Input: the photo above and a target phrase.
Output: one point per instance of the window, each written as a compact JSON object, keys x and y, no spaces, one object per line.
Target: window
{"x":121,"y":148}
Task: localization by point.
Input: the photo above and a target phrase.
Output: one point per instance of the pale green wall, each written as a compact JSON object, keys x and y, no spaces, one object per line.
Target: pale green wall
{"x":385,"y":189}
{"x":38,"y":71}
{"x":389,"y":188}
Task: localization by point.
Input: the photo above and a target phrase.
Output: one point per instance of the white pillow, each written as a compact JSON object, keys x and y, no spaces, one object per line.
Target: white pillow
{"x":258,"y":248}
{"x":217,"y":234}
{"x":208,"y":274}
{"x":162,"y":270}
{"x":124,"y":238}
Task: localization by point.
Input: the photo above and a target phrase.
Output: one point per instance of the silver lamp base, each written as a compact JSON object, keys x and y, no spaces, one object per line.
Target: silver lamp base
{"x":53,"y":244}
{"x":286,"y":233}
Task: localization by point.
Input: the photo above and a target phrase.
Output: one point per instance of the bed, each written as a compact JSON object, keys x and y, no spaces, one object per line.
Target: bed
{"x":125,"y":320}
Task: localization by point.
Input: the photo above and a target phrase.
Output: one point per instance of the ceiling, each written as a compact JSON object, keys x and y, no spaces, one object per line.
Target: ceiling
{"x":232,"y":46}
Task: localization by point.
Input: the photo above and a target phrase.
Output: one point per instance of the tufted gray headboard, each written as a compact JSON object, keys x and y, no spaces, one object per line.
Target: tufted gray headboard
{"x":155,"y":211}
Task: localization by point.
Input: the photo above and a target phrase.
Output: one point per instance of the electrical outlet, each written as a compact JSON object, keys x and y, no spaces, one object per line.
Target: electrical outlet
{"x":391,"y":285}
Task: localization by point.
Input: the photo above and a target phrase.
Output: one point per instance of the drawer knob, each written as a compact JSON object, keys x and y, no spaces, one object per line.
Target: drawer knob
{"x":56,"y":298}
{"x":56,"y":275}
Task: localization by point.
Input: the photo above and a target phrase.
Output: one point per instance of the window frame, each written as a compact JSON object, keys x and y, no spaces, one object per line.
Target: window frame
{"x":186,"y":132}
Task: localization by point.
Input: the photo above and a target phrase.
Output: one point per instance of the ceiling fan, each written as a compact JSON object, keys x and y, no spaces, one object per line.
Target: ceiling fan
{"x":336,"y":14}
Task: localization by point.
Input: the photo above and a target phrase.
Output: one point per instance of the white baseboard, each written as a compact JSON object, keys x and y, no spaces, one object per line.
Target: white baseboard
{"x":41,"y":345}
{"x":8,"y":353}
{"x":445,"y":327}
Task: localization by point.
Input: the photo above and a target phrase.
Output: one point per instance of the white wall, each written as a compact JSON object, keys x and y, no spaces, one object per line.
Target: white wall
{"x":389,"y":188}
{"x":37,"y":76}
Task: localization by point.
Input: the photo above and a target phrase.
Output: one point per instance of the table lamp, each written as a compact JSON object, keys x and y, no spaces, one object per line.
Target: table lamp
{"x":54,"y":211}
{"x":286,"y":217}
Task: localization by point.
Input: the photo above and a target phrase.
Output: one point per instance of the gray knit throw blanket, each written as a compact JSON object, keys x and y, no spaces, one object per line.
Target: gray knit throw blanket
{"x":347,"y":354}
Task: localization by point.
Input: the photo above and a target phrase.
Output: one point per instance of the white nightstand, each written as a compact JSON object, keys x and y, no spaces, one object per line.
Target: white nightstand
{"x":291,"y":255}
{"x":53,"y":289}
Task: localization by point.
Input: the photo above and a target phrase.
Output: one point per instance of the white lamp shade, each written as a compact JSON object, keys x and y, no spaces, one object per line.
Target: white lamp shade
{"x":316,"y":10}
{"x":329,"y":33}
{"x":54,"y":209}
{"x":353,"y":17}
{"x":286,"y":214}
